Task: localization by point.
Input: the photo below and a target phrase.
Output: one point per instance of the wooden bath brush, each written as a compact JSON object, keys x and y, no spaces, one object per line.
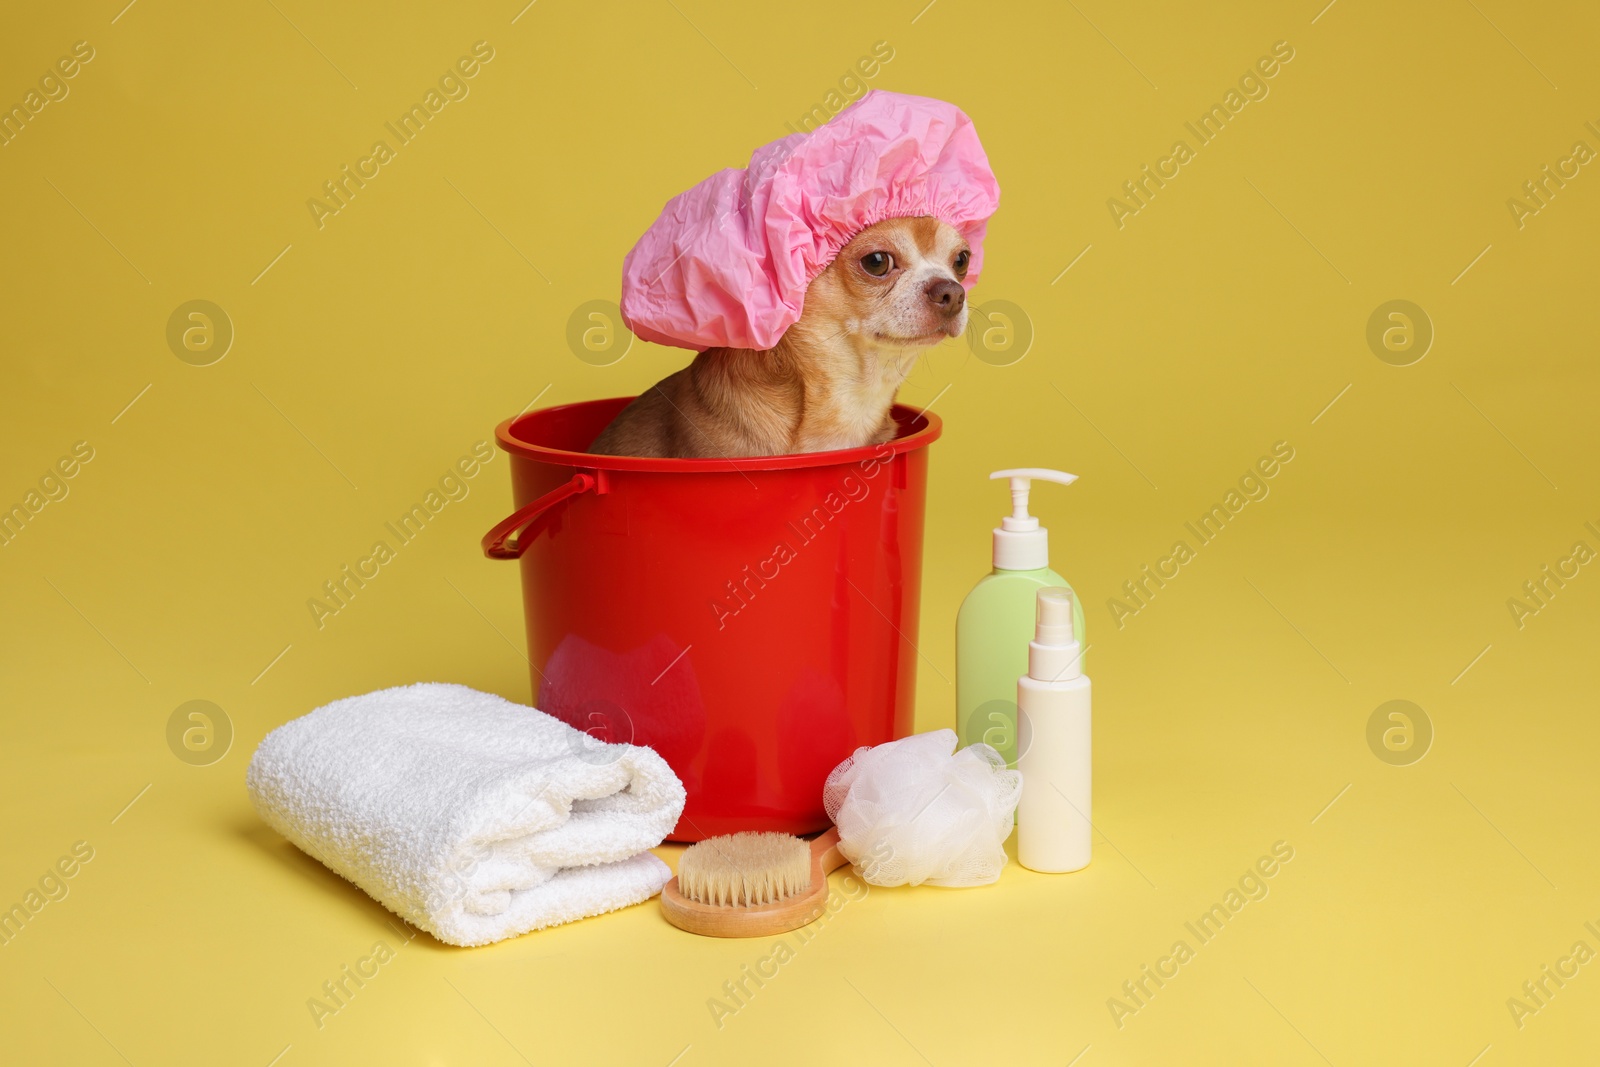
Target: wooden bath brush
{"x":751,"y":884}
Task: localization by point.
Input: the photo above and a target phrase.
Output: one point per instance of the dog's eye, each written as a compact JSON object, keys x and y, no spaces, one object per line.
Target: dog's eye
{"x":877,"y":264}
{"x":962,"y":258}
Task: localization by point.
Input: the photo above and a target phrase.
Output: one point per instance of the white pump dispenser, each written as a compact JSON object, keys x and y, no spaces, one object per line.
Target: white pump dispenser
{"x":1053,"y":747}
{"x":1020,"y":543}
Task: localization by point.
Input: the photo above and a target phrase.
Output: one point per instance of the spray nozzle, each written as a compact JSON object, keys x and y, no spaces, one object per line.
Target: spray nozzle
{"x":1054,"y":654}
{"x":1053,"y":621}
{"x":1019,"y":520}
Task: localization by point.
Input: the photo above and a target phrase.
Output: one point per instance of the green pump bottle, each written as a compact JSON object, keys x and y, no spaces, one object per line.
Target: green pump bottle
{"x":996,"y":621}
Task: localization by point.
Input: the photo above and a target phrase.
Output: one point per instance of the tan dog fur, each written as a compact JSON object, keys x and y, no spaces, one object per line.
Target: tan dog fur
{"x":832,"y":378}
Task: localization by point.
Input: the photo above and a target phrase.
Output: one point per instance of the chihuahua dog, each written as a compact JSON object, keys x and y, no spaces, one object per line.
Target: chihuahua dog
{"x":894,"y":291}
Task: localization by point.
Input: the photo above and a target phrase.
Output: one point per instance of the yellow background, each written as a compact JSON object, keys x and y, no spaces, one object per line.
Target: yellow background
{"x":1224,"y":317}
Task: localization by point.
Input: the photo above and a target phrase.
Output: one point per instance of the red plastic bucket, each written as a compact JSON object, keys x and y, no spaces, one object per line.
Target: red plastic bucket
{"x":753,"y":620}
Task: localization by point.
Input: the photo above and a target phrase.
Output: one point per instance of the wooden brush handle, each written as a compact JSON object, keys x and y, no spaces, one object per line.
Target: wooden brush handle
{"x":825,"y":854}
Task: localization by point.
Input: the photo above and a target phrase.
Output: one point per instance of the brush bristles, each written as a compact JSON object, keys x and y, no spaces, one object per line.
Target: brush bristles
{"x":745,"y":869}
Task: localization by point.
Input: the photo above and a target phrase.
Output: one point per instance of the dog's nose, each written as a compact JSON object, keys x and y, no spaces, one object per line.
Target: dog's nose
{"x":948,"y":296}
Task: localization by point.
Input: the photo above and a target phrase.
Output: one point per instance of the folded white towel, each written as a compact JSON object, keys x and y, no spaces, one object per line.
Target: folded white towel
{"x":469,"y":816}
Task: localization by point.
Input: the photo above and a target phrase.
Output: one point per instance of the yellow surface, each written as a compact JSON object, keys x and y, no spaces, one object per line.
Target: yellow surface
{"x":1226,"y":315}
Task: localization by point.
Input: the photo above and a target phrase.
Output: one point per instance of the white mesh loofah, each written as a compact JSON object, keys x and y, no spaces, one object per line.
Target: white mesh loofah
{"x":915,"y":810}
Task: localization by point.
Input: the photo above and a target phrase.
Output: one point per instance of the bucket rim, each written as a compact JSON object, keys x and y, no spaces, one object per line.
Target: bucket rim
{"x":918,"y":429}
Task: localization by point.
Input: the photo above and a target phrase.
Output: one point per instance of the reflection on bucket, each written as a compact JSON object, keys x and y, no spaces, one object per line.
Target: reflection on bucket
{"x":596,"y":690}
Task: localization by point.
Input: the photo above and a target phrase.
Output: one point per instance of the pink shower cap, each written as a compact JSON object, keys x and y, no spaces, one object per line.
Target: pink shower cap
{"x":728,"y":262}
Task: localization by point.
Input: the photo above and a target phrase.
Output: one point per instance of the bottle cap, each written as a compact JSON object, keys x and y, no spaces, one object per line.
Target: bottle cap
{"x":1054,"y":654}
{"x":1020,"y":543}
{"x":1053,"y":620}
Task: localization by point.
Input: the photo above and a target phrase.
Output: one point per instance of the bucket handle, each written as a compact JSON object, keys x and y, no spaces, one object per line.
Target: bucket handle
{"x":497,"y":543}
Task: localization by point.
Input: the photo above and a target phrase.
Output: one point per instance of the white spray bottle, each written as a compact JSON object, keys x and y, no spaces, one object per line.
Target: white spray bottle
{"x":1053,"y":743}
